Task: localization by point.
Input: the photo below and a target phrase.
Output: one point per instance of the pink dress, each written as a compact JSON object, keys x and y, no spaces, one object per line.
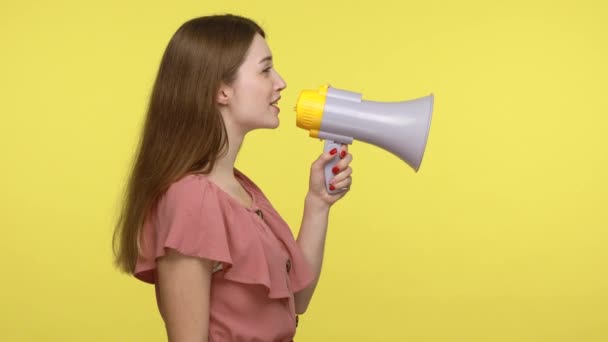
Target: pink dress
{"x":259,"y":266}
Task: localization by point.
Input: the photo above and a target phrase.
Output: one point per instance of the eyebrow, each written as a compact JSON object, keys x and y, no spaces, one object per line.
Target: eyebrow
{"x":267,"y":58}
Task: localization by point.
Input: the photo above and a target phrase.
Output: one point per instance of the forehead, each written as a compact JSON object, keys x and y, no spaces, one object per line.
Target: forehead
{"x":258,"y":50}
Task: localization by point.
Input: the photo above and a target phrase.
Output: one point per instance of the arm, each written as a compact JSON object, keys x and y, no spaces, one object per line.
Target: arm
{"x":184,"y":284}
{"x":313,"y":230}
{"x":311,"y":240}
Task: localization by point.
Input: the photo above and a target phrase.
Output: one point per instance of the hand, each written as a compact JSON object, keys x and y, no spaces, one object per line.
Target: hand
{"x":342,"y":180}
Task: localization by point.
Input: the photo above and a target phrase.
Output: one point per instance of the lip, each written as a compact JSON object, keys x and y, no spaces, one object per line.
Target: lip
{"x":276,"y":107}
{"x":275,"y":101}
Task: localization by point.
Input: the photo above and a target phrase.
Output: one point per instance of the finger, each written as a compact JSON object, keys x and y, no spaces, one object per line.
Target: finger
{"x":343,"y":164}
{"x":344,"y":184}
{"x":343,"y":151}
{"x":323,"y":159}
{"x":341,"y":176}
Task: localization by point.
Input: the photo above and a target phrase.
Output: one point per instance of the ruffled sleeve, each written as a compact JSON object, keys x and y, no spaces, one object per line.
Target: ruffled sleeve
{"x":188,"y":219}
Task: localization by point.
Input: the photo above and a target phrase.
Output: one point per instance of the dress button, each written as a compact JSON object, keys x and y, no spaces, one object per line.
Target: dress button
{"x":259,"y":213}
{"x":288,"y":265}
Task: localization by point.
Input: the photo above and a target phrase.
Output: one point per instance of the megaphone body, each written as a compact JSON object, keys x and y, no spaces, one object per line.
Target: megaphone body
{"x":340,"y":116}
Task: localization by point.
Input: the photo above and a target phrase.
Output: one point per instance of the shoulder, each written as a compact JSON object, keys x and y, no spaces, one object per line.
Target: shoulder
{"x":187,"y":191}
{"x":186,"y":184}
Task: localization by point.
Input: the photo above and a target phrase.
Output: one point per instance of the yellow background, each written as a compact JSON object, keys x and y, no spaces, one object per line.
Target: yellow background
{"x":501,"y":236}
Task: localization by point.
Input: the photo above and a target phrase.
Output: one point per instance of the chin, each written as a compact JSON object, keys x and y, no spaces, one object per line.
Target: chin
{"x":273,"y":123}
{"x":277,"y":123}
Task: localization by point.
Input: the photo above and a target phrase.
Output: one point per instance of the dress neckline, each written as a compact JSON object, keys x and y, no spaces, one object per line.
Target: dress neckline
{"x":239,"y":178}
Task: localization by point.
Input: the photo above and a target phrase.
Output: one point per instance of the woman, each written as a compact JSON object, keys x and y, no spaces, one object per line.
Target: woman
{"x":224,"y":263}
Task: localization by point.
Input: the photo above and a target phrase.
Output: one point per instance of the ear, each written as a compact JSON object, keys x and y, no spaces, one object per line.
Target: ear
{"x":223,"y":94}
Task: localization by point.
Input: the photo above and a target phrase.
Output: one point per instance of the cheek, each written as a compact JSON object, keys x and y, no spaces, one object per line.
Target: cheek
{"x":257,"y":95}
{"x":251,"y":91}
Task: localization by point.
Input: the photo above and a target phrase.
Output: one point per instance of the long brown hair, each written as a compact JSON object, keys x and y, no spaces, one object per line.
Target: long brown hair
{"x":183,"y":131}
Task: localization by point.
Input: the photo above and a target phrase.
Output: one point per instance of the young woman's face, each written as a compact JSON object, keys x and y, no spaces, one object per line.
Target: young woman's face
{"x":252,"y":100}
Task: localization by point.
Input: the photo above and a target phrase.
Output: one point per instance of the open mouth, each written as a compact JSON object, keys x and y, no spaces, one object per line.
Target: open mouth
{"x":275,"y":102}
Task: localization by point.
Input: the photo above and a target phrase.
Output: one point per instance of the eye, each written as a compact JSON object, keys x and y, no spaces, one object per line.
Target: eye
{"x":267,"y":69}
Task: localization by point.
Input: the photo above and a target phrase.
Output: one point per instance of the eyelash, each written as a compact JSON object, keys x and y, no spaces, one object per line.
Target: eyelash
{"x":267,"y":69}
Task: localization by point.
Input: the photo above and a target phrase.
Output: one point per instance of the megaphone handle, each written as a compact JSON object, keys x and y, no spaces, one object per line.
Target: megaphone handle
{"x":329,"y":145}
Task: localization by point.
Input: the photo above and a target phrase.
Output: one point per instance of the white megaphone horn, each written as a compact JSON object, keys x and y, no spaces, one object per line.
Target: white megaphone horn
{"x":340,"y":116}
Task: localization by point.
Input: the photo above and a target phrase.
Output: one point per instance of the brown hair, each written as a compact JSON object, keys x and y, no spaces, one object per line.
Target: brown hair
{"x":183,"y":131}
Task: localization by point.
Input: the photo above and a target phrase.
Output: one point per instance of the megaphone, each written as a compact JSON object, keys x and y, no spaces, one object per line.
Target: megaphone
{"x":340,"y":116}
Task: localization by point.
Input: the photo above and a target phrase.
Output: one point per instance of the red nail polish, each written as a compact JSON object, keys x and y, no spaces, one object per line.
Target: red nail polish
{"x":332,"y":188}
{"x":342,"y":154}
{"x":334,"y":151}
{"x":335,"y":170}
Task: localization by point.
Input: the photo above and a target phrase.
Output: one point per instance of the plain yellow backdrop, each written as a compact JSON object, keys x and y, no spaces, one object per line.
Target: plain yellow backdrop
{"x":501,"y":236}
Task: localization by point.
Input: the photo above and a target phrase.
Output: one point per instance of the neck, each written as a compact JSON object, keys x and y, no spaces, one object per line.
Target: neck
{"x":223,"y":170}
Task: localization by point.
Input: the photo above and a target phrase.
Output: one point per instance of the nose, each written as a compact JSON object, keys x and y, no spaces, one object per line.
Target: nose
{"x":280,"y":83}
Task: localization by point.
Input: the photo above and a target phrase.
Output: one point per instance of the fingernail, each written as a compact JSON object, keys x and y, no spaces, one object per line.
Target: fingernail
{"x":335,"y":170}
{"x":334,"y":151}
{"x":342,"y":154}
{"x":332,"y":188}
